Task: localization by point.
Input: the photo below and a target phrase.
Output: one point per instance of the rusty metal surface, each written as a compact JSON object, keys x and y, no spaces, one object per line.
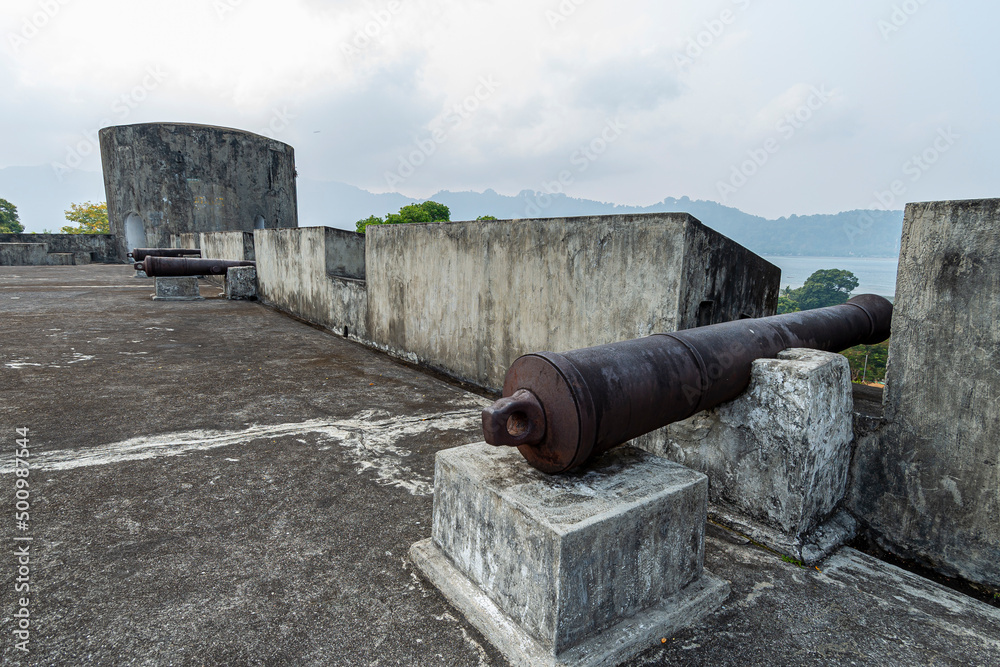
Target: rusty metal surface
{"x":597,"y":398}
{"x":139,"y":254}
{"x":186,"y":266}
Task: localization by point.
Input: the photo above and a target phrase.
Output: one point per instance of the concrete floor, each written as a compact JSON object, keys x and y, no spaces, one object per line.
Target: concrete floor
{"x":215,"y":483}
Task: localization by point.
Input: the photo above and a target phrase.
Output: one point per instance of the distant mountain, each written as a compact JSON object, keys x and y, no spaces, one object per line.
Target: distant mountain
{"x":42,"y":196}
{"x":859,"y":233}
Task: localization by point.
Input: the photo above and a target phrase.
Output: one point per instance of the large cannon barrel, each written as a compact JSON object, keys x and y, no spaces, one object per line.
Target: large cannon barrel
{"x":186,"y":266}
{"x":139,"y":254}
{"x":563,"y":410}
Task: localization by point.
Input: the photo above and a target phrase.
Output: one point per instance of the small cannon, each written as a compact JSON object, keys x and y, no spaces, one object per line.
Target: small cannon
{"x":160,"y":267}
{"x":563,"y":410}
{"x":139,"y":254}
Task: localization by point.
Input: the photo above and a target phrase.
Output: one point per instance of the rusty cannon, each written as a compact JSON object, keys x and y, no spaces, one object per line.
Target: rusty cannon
{"x":139,"y":254}
{"x":563,"y":410}
{"x":161,"y":267}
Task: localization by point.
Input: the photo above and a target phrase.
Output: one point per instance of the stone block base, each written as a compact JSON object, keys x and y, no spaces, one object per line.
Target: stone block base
{"x":241,"y":282}
{"x":778,"y":455}
{"x":613,"y":646}
{"x":177,"y":289}
{"x":580,"y":569}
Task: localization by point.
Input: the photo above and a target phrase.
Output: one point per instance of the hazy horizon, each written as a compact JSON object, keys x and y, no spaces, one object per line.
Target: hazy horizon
{"x":775,"y":108}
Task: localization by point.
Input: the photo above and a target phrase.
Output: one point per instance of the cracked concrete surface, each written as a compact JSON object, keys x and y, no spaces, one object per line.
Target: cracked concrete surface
{"x":286,"y":474}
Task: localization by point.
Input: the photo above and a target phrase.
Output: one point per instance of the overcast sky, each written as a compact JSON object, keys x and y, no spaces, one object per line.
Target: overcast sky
{"x":773,"y":106}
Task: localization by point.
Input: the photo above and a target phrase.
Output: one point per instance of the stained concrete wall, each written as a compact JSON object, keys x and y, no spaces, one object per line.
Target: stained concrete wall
{"x":228,"y":245}
{"x":84,"y":248}
{"x":299,"y":273}
{"x":927,"y":483}
{"x":23,"y":254}
{"x":188,"y":240}
{"x":470,"y":297}
{"x":181,"y":178}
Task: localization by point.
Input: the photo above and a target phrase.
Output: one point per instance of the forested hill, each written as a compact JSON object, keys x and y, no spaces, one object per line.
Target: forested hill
{"x":861,"y":233}
{"x":41,"y":196}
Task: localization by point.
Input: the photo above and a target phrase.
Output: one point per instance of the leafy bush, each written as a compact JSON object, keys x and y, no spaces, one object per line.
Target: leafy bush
{"x":429,"y":211}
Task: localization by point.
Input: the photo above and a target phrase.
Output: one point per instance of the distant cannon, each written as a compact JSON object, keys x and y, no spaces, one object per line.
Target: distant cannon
{"x":139,"y":254}
{"x":564,"y":410}
{"x":160,"y":267}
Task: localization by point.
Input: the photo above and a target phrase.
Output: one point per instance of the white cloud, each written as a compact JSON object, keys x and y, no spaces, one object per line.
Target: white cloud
{"x":367,"y":81}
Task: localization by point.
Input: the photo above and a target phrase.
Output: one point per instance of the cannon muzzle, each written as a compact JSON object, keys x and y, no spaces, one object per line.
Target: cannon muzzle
{"x":139,"y":254}
{"x":155,"y":266}
{"x":563,"y":410}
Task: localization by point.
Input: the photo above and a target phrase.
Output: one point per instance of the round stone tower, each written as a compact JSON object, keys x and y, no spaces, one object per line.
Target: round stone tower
{"x":163,"y":179}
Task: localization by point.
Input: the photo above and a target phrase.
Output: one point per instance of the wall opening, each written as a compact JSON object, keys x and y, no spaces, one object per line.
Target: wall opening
{"x":259,"y":222}
{"x":135,"y":232}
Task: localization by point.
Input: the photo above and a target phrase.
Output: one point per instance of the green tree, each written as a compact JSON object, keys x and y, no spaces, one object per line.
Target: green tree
{"x":868,"y":362}
{"x":370,"y":220}
{"x":786,"y":302}
{"x":90,"y":219}
{"x":429,"y":211}
{"x":486,"y":217}
{"x":826,"y":287}
{"x":9,"y":222}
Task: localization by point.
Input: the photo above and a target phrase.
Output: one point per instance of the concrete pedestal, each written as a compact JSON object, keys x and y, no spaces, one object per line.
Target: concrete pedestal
{"x":241,"y":282}
{"x":177,"y":289}
{"x":580,"y":569}
{"x":778,"y":455}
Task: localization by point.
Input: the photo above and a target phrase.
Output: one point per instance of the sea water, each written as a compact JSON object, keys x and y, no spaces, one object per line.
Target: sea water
{"x":876,"y":275}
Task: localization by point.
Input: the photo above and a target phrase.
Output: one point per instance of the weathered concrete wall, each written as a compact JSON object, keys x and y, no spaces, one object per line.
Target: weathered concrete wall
{"x":928,"y":483}
{"x":723,"y":281}
{"x":181,"y":178}
{"x":294,"y":276}
{"x":345,"y":254}
{"x":85,"y":248}
{"x":187,"y":240}
{"x":228,"y":245}
{"x":23,"y":254}
{"x":468,"y":298}
{"x":224,"y":245}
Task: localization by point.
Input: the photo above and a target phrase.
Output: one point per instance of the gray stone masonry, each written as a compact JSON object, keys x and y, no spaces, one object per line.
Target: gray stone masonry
{"x":777,"y":457}
{"x":585,"y":568}
{"x":23,"y":254}
{"x":241,"y":282}
{"x":926,"y":484}
{"x":177,"y":289}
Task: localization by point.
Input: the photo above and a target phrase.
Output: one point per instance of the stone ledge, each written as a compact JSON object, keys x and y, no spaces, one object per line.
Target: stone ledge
{"x":611,"y":647}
